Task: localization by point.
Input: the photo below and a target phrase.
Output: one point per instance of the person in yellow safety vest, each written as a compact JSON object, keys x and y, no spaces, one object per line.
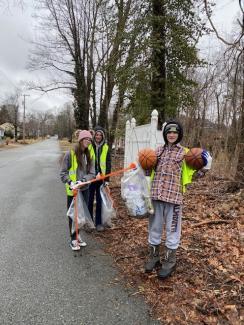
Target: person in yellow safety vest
{"x":77,"y":165}
{"x":187,"y":173}
{"x":168,"y":185}
{"x":100,"y":154}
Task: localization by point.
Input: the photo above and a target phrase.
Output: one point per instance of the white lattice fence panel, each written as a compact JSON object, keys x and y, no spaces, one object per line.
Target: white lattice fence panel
{"x":142,"y":136}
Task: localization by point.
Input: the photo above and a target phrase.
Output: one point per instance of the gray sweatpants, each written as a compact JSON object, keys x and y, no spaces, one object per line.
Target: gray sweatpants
{"x":167,"y":214}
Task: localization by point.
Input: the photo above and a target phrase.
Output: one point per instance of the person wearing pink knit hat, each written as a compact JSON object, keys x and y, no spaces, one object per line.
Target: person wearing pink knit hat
{"x":77,"y":165}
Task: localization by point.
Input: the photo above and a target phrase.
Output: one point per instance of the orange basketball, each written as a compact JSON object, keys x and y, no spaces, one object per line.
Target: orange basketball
{"x":194,"y":159}
{"x":147,"y":158}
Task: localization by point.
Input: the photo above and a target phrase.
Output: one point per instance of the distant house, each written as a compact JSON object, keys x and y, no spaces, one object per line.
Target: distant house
{"x":8,"y":128}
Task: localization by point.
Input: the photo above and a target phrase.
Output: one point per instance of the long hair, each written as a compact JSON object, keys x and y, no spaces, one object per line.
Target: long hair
{"x":79,"y":152}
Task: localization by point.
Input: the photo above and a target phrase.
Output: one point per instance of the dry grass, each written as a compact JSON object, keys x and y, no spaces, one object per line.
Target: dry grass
{"x":65,"y":145}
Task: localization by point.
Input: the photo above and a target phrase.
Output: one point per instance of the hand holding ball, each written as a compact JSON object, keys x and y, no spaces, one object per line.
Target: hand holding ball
{"x":147,"y":158}
{"x":194,"y":158}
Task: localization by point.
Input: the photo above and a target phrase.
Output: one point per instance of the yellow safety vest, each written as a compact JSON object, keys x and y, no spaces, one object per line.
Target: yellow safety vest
{"x":186,"y":173}
{"x":72,"y":171}
{"x":103,"y":156}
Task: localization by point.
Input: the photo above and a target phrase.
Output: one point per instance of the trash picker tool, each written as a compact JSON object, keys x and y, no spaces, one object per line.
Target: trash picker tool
{"x":98,"y":178}
{"x":102,"y":177}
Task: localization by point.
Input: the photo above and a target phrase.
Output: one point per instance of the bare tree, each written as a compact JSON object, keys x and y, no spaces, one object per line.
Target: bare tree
{"x":64,"y":123}
{"x":66,"y":47}
{"x":236,"y":48}
{"x":11,"y":107}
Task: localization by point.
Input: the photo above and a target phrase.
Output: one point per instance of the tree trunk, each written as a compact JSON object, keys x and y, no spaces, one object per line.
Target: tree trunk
{"x":240,"y":165}
{"x":81,"y":97}
{"x":158,"y":94}
{"x":118,"y":106}
{"x":94,"y":105}
{"x":103,"y":116}
{"x":114,"y":57}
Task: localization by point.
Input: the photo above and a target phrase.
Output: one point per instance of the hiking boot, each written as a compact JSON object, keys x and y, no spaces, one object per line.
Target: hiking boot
{"x":168,"y":264}
{"x":74,"y":244}
{"x":100,"y":228}
{"x":81,"y":243}
{"x":153,"y":259}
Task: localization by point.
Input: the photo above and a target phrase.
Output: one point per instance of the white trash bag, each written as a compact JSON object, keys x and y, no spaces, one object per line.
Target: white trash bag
{"x":84,"y":219}
{"x":108,"y":212}
{"x":135,"y":190}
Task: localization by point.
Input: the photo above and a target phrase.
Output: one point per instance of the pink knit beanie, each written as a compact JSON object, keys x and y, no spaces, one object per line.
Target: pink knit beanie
{"x":84,"y":134}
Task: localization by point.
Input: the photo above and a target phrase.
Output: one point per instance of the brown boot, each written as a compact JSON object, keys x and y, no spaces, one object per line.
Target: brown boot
{"x":153,"y":259}
{"x":168,"y":263}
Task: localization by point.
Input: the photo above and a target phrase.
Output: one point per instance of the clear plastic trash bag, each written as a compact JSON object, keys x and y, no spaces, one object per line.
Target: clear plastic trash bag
{"x":83,"y":216}
{"x":135,"y":190}
{"x":108,"y":212}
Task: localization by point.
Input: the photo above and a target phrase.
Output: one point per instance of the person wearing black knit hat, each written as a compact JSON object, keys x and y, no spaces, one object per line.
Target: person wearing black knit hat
{"x":100,"y":153}
{"x":173,"y":126}
{"x":170,"y":176}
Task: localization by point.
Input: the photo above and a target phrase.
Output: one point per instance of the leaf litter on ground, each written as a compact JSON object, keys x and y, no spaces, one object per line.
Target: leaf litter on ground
{"x":207,"y":286}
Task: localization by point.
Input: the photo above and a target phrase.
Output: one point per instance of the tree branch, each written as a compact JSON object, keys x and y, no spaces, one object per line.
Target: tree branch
{"x":235,"y":43}
{"x":209,"y":222}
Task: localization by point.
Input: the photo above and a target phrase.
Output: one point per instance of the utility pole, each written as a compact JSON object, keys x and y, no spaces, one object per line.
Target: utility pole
{"x":24,"y":118}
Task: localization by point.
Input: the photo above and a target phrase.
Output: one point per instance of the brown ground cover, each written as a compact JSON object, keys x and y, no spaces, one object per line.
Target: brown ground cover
{"x":207,"y":287}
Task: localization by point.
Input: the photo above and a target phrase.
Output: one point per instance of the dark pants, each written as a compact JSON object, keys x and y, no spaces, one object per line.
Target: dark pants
{"x":95,"y":188}
{"x":69,"y":201}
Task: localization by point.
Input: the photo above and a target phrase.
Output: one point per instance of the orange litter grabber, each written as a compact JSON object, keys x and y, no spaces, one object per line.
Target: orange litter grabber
{"x":75,"y":192}
{"x":98,"y":178}
{"x":102,"y":177}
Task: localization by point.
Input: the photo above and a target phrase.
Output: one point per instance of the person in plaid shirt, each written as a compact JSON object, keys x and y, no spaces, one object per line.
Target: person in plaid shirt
{"x":167,"y":196}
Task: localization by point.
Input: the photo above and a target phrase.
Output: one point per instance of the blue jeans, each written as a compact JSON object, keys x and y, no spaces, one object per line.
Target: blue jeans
{"x":95,"y":188}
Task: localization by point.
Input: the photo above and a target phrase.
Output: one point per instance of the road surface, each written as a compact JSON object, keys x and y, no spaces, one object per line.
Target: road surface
{"x":41,"y":280}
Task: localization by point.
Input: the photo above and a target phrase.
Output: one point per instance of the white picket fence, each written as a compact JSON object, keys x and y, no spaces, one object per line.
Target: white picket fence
{"x":141,"y":136}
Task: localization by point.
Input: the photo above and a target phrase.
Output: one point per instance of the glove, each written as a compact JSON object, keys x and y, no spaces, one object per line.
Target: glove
{"x":71,"y":184}
{"x":207,"y":159}
{"x":74,"y":185}
{"x":201,"y":173}
{"x":98,"y":176}
{"x":77,"y":184}
{"x":205,"y":155}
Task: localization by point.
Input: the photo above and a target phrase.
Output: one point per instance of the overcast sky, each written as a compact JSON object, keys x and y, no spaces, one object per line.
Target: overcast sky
{"x":16,"y":25}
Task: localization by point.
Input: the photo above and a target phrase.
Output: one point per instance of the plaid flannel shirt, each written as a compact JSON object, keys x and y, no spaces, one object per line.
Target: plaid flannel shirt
{"x":166,"y":185}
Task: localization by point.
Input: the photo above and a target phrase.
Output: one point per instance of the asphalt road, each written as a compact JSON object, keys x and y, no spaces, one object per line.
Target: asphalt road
{"x":41,"y":280}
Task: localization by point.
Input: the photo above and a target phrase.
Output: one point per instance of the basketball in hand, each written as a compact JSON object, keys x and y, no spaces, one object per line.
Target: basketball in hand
{"x":194,"y":159}
{"x":147,"y":158}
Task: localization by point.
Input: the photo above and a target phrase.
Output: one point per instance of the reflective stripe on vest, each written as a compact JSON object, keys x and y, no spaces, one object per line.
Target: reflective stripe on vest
{"x":72,"y":172}
{"x":103,"y":156}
